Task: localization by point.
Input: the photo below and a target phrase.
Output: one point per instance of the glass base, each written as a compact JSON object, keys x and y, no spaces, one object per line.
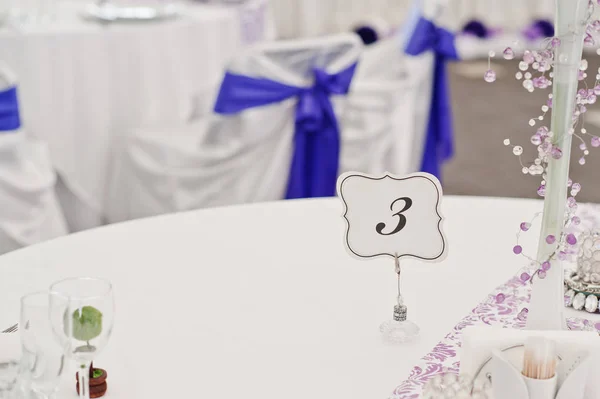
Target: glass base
{"x":397,"y":332}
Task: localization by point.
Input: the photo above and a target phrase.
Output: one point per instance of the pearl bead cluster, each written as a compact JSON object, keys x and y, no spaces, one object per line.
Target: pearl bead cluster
{"x":453,"y":386}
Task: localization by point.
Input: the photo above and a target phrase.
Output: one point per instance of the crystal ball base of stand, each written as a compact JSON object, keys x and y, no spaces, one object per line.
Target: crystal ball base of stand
{"x":397,"y":332}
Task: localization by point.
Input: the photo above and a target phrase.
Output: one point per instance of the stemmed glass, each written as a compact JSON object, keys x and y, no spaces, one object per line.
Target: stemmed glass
{"x":8,"y":378}
{"x":43,"y":360}
{"x":82,"y":316}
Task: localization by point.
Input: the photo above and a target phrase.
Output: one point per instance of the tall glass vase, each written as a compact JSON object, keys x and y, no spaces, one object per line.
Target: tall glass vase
{"x":547,"y":299}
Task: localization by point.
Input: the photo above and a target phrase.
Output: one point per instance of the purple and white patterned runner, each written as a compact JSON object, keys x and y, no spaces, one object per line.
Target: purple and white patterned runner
{"x":444,"y":356}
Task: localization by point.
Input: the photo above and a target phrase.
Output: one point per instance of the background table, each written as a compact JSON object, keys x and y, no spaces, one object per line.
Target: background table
{"x":309,"y":18}
{"x":262,"y":301}
{"x":508,"y":15}
{"x":305,"y":18}
{"x":84,"y":84}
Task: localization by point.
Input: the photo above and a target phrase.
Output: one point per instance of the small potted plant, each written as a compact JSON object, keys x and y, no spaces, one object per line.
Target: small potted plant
{"x":98,"y":384}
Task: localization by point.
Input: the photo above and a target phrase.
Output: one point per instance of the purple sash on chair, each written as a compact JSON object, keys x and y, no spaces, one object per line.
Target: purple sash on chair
{"x":315,"y":161}
{"x":439,"y":142}
{"x":9,"y":110}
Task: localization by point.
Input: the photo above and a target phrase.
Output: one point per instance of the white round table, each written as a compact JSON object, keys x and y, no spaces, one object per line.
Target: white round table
{"x":263,"y":302}
{"x":84,"y":84}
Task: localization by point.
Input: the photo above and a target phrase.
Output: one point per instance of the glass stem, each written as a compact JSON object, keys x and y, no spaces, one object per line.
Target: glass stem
{"x":84,"y":380}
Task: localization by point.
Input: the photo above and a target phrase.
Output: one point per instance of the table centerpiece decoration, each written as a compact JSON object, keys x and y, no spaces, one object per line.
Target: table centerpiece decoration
{"x":558,"y":65}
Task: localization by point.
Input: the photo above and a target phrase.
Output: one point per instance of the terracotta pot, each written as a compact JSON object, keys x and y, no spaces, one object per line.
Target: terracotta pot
{"x":98,"y":385}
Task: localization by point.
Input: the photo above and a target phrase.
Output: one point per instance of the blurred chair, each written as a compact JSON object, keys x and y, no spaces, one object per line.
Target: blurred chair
{"x":401,"y":89}
{"x":508,"y":15}
{"x":274,"y":135}
{"x":29,"y":211}
{"x":430,"y":46}
{"x":378,"y":124}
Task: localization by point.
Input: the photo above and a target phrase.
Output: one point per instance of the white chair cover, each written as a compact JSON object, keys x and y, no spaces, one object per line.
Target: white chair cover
{"x":29,"y":210}
{"x":82,"y":84}
{"x":378,"y":124}
{"x":388,"y":108}
{"x":420,"y":75}
{"x":395,"y":93}
{"x":233,"y":159}
{"x":420,"y":71}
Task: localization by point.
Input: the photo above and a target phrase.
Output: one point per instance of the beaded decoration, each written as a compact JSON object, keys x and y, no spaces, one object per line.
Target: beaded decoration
{"x":536,"y":72}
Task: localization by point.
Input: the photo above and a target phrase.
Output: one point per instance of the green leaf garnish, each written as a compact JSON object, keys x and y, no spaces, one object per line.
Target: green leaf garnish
{"x":87,"y":323}
{"x":97,"y":373}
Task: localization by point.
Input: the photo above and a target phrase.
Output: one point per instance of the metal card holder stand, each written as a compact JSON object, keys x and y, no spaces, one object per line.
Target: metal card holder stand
{"x":400,"y":329}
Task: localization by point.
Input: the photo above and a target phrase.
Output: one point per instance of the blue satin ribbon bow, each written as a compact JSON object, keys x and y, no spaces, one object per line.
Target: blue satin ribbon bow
{"x":539,"y":29}
{"x":439,"y":144}
{"x":315,"y":162}
{"x":9,"y":110}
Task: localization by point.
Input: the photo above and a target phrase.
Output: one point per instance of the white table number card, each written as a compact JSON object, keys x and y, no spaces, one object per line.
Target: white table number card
{"x":395,"y":217}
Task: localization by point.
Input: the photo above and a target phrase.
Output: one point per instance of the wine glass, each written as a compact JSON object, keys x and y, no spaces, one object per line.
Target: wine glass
{"x":82,"y":315}
{"x":43,"y":360}
{"x":8,"y":378}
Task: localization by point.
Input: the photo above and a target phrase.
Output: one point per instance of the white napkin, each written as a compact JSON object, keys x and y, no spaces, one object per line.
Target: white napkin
{"x":10,"y":347}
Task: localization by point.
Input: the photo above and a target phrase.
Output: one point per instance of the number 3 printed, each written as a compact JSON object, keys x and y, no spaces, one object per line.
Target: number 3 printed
{"x":401,"y":218}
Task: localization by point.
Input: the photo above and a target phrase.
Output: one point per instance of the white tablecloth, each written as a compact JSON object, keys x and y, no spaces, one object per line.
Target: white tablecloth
{"x":83,"y":84}
{"x":262,"y":301}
